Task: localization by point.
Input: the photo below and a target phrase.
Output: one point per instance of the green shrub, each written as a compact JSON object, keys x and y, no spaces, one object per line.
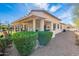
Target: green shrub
{"x":5,"y":41}
{"x":1,"y":36}
{"x":44,"y":37}
{"x":25,"y":42}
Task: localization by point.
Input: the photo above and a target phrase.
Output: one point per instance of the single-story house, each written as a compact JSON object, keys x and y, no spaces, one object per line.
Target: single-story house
{"x":38,"y":20}
{"x":68,"y":27}
{"x":64,"y":26}
{"x":72,"y":28}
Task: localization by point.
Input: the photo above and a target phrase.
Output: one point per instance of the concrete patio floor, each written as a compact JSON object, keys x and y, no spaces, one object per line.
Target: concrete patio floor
{"x":62,"y":45}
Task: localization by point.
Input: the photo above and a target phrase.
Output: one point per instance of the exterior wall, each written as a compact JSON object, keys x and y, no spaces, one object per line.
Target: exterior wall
{"x":48,"y":18}
{"x":66,"y":27}
{"x":44,"y":15}
{"x":58,"y":29}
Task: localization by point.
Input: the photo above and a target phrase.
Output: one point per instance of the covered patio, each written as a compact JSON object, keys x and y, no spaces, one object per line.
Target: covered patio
{"x":32,"y":23}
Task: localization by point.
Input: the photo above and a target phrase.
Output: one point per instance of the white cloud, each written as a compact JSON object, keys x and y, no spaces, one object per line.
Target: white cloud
{"x":67,"y":13}
{"x":9,"y":6}
{"x":55,"y":8}
{"x":42,"y":5}
{"x":67,"y":16}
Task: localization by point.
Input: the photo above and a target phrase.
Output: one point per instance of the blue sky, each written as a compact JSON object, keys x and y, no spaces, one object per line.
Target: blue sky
{"x":10,"y":12}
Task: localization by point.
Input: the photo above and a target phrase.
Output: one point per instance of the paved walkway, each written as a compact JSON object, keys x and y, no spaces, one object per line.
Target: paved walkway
{"x":62,"y":45}
{"x":12,"y":51}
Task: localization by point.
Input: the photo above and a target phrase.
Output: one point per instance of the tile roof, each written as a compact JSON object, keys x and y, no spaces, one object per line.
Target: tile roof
{"x":47,"y":13}
{"x":38,"y":11}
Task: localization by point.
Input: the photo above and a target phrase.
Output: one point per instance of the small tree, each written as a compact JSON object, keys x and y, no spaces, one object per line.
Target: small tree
{"x":76,"y":14}
{"x":76,"y":22}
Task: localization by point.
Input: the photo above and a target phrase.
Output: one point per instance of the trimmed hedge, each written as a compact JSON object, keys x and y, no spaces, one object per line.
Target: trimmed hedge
{"x":25,"y":42}
{"x":44,"y":37}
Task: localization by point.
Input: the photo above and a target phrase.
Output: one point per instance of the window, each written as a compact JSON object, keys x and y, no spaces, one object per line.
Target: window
{"x":54,"y":26}
{"x":58,"y":26}
{"x":46,"y":28}
{"x":25,"y":27}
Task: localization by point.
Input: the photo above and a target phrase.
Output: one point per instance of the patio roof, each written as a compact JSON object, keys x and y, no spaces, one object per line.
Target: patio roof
{"x":34,"y":16}
{"x":28,"y":17}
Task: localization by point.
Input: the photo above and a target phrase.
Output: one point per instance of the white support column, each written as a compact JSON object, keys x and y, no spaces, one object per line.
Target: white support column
{"x":27,"y":28}
{"x":56,"y":26}
{"x":20,"y":28}
{"x":42,"y":25}
{"x":23,"y":27}
{"x":60,"y":26}
{"x":14,"y":28}
{"x":51,"y":29}
{"x":34,"y":25}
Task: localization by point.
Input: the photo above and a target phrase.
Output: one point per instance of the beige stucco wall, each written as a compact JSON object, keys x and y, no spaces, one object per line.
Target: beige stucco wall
{"x":48,"y":18}
{"x":64,"y":26}
{"x":44,"y":15}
